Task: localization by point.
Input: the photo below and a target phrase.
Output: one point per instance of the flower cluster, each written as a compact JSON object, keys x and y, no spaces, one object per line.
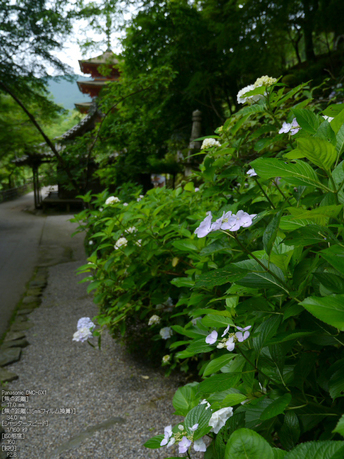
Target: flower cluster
{"x":230,"y":340}
{"x":207,"y":143}
{"x":328,"y":118}
{"x":166,"y":332}
{"x":183,"y":439}
{"x":85,"y":327}
{"x":122,"y":242}
{"x":154,"y":320}
{"x":132,"y":229}
{"x":262,"y":81}
{"x":292,"y":127}
{"x":228,"y":221}
{"x":166,"y":358}
{"x":140,"y":197}
{"x":265,"y":81}
{"x":251,"y":173}
{"x":111,"y":200}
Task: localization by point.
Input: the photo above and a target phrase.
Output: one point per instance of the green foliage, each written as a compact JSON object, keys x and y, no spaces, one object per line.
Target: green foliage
{"x":271,"y":379}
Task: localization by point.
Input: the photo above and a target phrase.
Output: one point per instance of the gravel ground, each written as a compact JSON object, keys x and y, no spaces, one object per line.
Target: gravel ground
{"x":117,"y":407}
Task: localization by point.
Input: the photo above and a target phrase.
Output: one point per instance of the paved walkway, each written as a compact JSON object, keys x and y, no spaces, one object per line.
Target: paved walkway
{"x":93,"y":404}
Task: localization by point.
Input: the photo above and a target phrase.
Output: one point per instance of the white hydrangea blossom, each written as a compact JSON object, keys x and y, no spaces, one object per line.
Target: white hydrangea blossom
{"x":154,"y":320}
{"x":111,"y":200}
{"x":125,"y":204}
{"x":122,"y":242}
{"x":264,"y":81}
{"x":90,"y":242}
{"x":219,"y":418}
{"x":132,"y":229}
{"x":166,"y":332}
{"x":242,"y":100}
{"x":207,"y":143}
{"x":328,"y":118}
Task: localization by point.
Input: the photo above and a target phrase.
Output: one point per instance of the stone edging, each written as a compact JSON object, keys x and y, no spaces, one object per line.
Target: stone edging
{"x":15,"y":339}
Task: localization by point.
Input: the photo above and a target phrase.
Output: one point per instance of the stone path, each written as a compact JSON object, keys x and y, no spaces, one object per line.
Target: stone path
{"x":81,"y":402}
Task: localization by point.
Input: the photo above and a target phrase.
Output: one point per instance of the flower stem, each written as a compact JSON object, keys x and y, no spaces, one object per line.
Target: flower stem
{"x":267,"y":197}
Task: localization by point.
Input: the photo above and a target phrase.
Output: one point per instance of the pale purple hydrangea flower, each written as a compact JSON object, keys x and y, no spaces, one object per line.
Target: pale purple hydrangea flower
{"x":211,"y":339}
{"x":85,"y":322}
{"x":251,"y":173}
{"x":292,"y":127}
{"x":84,"y":330}
{"x":243,"y":333}
{"x":205,"y":226}
{"x":229,"y":344}
{"x":228,"y":221}
{"x":184,"y":445}
{"x":167,"y":435}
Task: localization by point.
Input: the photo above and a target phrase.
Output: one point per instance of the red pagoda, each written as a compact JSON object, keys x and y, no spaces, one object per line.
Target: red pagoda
{"x":93,"y":87}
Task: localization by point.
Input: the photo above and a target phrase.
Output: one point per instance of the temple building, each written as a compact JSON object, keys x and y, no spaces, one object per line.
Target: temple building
{"x":93,"y":67}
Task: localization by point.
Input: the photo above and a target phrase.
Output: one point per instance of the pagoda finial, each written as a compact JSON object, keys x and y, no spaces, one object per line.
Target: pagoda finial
{"x":108,"y":31}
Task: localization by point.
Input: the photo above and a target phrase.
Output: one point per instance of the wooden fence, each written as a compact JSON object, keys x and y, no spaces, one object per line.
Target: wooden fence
{"x":13,"y":193}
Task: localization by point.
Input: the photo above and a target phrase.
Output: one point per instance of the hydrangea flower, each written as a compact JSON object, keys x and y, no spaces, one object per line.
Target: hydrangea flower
{"x":84,"y":327}
{"x":167,"y":435}
{"x":132,"y":229}
{"x":90,"y":242}
{"x":154,"y":320}
{"x":328,"y":118}
{"x":228,"y":221}
{"x":229,"y":341}
{"x":166,"y":358}
{"x":243,"y":333}
{"x":264,"y":81}
{"x":219,"y":418}
{"x":183,"y":438}
{"x":205,"y":226}
{"x":212,"y":338}
{"x":205,"y":402}
{"x":207,"y":143}
{"x":251,"y":173}
{"x":184,"y":445}
{"x":85,"y":322}
{"x":122,"y":242}
{"x":139,"y":242}
{"x":292,"y":127}
{"x":140,"y":197}
{"x":111,"y":200}
{"x":240,"y":97}
{"x":125,"y":204}
{"x":166,"y":332}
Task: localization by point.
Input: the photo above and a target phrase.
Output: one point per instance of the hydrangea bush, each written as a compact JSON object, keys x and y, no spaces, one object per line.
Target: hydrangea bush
{"x":244,"y":279}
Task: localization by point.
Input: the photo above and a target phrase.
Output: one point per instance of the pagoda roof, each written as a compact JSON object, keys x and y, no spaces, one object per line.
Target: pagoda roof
{"x":106,"y":58}
{"x":84,"y":125}
{"x":83,"y":107}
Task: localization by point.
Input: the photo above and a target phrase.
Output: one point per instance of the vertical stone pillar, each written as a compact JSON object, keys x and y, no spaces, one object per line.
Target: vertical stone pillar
{"x":196,"y":132}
